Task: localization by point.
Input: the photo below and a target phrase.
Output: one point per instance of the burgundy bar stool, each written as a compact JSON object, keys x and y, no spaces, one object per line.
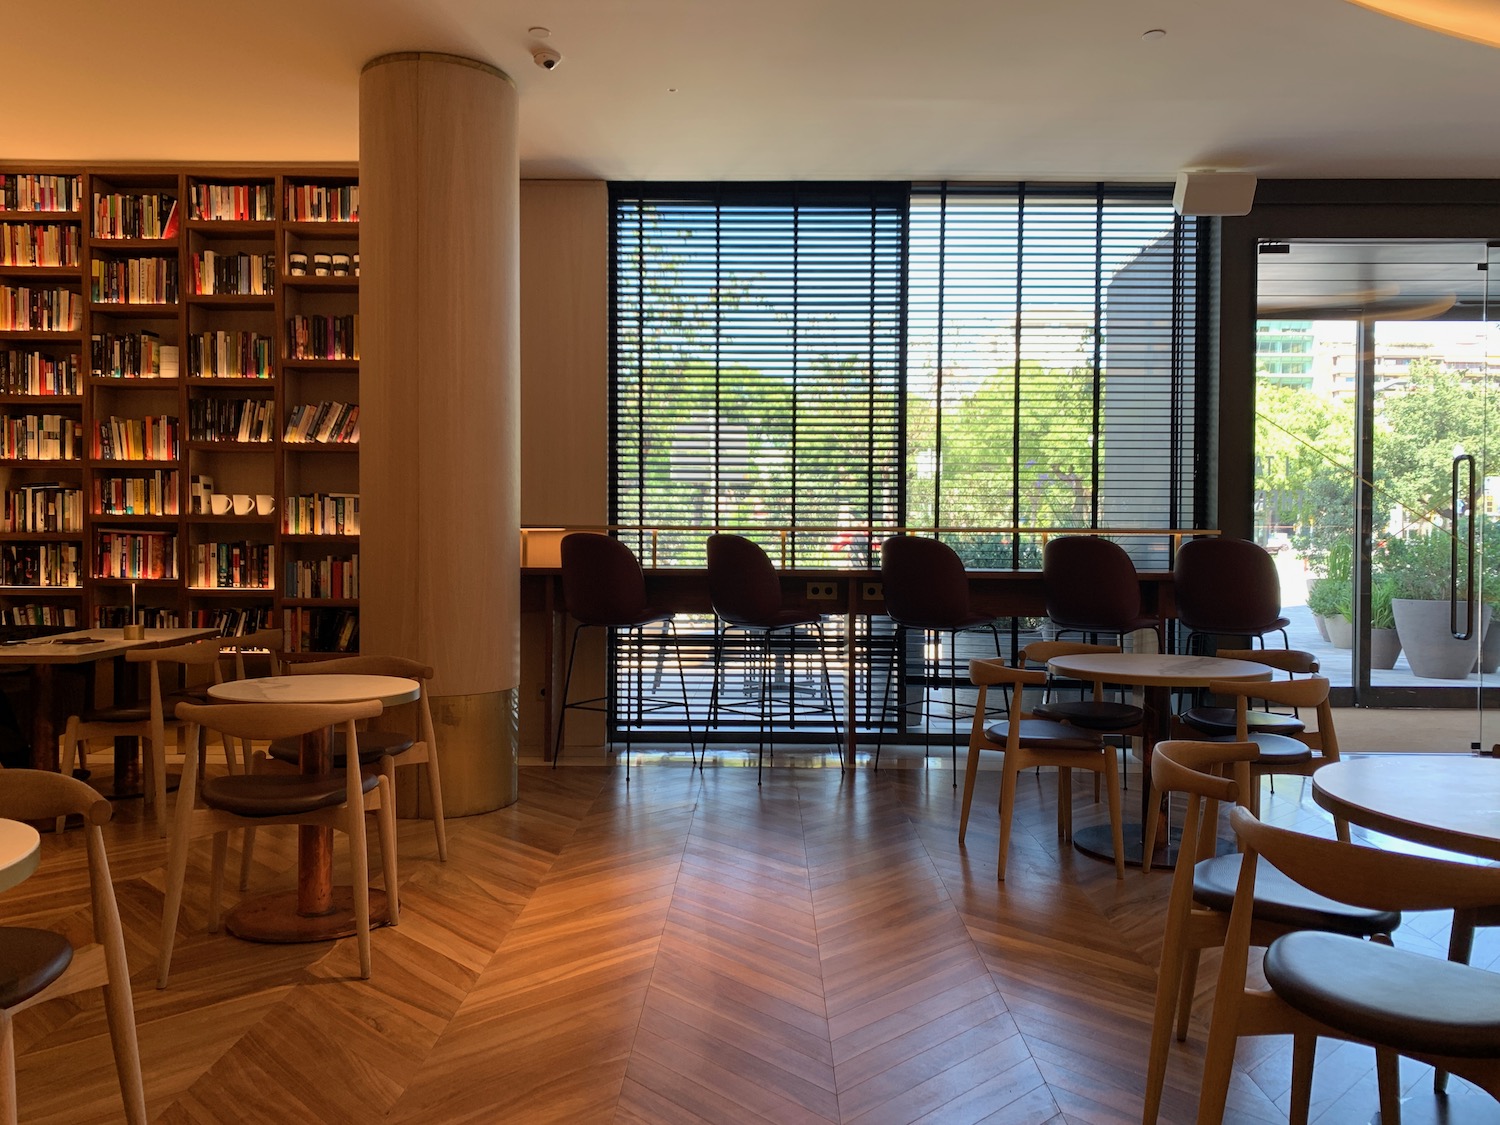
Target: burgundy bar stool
{"x":1227,"y":587}
{"x":604,"y":588}
{"x":926,"y":589}
{"x":746,"y":594}
{"x":1092,"y":588}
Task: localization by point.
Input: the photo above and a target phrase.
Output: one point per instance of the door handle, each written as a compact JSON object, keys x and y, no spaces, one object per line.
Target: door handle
{"x":1466,"y":460}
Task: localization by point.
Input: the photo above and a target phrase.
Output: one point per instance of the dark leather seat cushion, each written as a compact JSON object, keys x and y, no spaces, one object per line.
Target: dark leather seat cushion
{"x":138,"y":713}
{"x":1041,"y":734}
{"x":1394,"y":997}
{"x":781,"y":619}
{"x":1221,"y":720}
{"x":1099,"y":715}
{"x":373,"y":745}
{"x":1275,"y":749}
{"x":278,"y":794}
{"x":30,"y":960}
{"x":958,"y":624}
{"x":1278,"y":899}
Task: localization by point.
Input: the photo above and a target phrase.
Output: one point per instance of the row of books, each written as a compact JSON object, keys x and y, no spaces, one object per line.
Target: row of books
{"x":234,"y":622}
{"x":41,"y":437}
{"x":24,"y":309}
{"x":40,"y":565}
{"x":133,"y":281}
{"x":323,"y":337}
{"x":321,"y":513}
{"x":249,"y":275}
{"x":132,"y":355}
{"x":49,"y":506}
{"x":40,"y":192}
{"x":39,"y":244}
{"x":153,"y":438}
{"x":323,"y":423}
{"x":148,"y":494}
{"x":237,"y":566}
{"x":32,"y":372}
{"x":320,"y":630}
{"x":216,"y":419}
{"x":135,"y":554}
{"x":135,"y":216}
{"x":322,"y":203}
{"x":333,"y":578}
{"x":233,"y":202}
{"x":56,"y":616}
{"x":231,"y":355}
{"x":152,"y":617}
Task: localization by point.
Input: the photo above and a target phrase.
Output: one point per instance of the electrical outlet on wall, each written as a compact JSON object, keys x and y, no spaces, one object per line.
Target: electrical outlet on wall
{"x":872,"y":592}
{"x":822,"y":591}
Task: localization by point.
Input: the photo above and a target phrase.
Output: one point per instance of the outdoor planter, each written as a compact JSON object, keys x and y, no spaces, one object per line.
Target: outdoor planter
{"x":1385,"y":646}
{"x":1430,"y":647}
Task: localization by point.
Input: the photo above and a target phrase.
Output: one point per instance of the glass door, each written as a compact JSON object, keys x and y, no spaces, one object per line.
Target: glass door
{"x":1486,"y":509}
{"x":1374,"y":364}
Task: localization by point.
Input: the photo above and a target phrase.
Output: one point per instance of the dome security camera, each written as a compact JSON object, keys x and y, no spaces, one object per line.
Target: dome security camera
{"x":546,"y":58}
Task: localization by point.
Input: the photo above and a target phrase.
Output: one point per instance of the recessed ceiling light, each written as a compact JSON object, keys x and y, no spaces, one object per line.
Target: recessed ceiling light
{"x":1155,"y":33}
{"x":539,"y":32}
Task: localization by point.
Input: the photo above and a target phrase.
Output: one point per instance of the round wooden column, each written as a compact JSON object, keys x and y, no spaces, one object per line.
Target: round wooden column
{"x":440,"y":401}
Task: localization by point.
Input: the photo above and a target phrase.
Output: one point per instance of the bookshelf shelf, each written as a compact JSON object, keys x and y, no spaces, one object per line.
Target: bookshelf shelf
{"x":213,"y":222}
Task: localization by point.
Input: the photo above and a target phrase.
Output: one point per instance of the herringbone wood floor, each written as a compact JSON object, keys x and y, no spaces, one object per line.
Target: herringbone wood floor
{"x":688,"y":948}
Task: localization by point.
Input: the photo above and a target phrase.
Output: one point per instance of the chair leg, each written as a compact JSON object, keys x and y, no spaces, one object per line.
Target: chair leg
{"x":7,"y":1069}
{"x":1388,"y":1079}
{"x":387,"y":830}
{"x":1304,"y":1053}
{"x":1064,"y":802}
{"x":1185,"y":992}
{"x":1148,"y":835}
{"x":435,"y":788}
{"x":1168,"y":983}
{"x":971,"y":771}
{"x":687,"y":711}
{"x":359,"y":859}
{"x":1116,"y":827}
{"x":1009,"y":779}
{"x":833,"y":707}
{"x":119,"y":1013}
{"x":247,"y":852}
{"x":176,"y":876}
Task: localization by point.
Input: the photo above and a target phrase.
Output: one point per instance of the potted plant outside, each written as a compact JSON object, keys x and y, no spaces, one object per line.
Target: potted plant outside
{"x":1385,"y":642}
{"x":1330,"y":598}
{"x":1420,"y":569}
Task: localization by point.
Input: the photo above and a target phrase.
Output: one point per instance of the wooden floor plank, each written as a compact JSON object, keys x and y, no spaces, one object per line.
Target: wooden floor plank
{"x":688,"y":948}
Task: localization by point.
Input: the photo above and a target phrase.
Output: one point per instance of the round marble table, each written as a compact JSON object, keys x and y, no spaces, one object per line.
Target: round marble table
{"x":316,"y":910}
{"x":1158,"y":673}
{"x":1446,"y":801}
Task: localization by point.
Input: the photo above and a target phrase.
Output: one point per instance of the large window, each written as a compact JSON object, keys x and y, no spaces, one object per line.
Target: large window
{"x":829,"y":358}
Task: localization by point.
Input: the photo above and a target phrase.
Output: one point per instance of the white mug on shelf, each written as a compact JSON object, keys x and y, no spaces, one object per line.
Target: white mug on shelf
{"x":265,"y":504}
{"x":242,"y":504}
{"x":220,"y":502}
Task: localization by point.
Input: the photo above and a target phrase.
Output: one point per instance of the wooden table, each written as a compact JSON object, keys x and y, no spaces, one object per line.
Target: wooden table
{"x":1446,"y":801}
{"x":80,"y":646}
{"x":1158,"y":674}
{"x":316,"y":910}
{"x":20,"y":849}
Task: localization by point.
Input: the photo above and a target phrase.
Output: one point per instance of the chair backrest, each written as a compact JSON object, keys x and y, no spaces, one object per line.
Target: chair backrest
{"x":1224,"y":585}
{"x":1309,"y":692}
{"x":742,"y":582}
{"x":1369,"y":877}
{"x":924,"y":582}
{"x":602,"y":580}
{"x":1039,"y":652}
{"x":375,"y":665}
{"x":1293,"y":661}
{"x":267,"y":641}
{"x":1091,"y":584}
{"x":1198,"y":769}
{"x":197,"y":654}
{"x":44,"y":795}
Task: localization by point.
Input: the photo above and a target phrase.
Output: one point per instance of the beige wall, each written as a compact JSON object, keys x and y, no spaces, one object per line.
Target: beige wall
{"x":564,"y":401}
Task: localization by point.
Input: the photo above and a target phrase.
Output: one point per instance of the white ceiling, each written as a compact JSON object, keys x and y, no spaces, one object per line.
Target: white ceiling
{"x":778,"y":89}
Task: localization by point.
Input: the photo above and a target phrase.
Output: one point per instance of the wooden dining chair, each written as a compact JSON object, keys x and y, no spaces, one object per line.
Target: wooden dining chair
{"x":407,"y":738}
{"x":148,"y":721}
{"x":1206,"y":721}
{"x":334,"y":800}
{"x":39,"y":965}
{"x":1028,"y":741}
{"x":263,"y":646}
{"x":1326,"y":984}
{"x":1110,"y":718}
{"x":1203,"y":889}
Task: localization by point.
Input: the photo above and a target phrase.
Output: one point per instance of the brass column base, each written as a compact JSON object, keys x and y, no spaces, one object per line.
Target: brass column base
{"x":478,"y":748}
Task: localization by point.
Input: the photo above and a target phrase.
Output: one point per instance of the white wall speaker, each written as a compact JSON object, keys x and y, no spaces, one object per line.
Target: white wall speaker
{"x":1214,"y":193}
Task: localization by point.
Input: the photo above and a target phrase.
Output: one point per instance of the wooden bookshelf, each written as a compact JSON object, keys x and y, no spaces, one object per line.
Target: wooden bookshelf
{"x":191,"y":265}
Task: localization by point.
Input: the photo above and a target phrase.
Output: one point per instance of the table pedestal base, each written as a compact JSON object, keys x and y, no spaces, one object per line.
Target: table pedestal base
{"x":1426,"y":1108}
{"x":273,"y":918}
{"x":1096,"y":842}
